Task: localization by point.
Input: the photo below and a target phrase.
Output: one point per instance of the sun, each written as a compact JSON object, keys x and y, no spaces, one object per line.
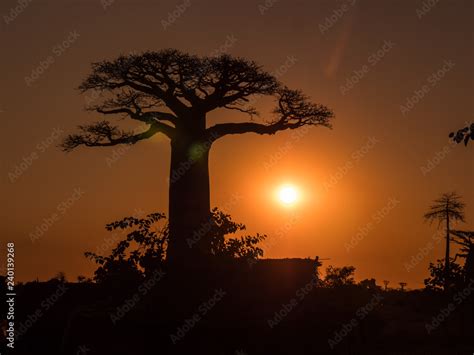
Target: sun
{"x":288,"y":195}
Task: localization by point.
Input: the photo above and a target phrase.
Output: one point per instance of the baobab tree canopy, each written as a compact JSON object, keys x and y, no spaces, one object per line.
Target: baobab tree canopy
{"x":171,"y":92}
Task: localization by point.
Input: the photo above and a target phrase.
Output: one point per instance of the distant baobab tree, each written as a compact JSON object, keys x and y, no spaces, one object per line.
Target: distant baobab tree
{"x":385,"y":283}
{"x":448,"y":208}
{"x":464,"y":134}
{"x":172,"y":93}
{"x":402,"y":285}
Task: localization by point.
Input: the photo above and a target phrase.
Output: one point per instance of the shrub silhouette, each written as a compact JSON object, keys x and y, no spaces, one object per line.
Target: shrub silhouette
{"x":339,"y":276}
{"x":145,"y":245}
{"x":437,"y":279}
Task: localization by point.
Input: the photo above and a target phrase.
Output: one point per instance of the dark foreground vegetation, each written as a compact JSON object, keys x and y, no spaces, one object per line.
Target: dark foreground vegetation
{"x":237,"y":303}
{"x":270,"y":307}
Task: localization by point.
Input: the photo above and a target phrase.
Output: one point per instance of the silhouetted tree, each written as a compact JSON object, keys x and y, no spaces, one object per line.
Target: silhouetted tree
{"x":447,"y":208}
{"x":337,"y":277}
{"x":464,"y":134}
{"x":438,"y":281}
{"x":172,"y":93}
{"x":466,"y":240}
{"x":402,"y":286}
{"x":385,"y":283}
{"x":144,"y":248}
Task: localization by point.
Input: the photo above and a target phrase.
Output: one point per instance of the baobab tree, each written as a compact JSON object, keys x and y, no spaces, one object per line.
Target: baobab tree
{"x":172,"y":93}
{"x":448,"y":208}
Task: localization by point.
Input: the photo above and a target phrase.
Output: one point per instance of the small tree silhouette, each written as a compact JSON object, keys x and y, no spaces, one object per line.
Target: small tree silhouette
{"x":172,"y":93}
{"x":337,"y":277}
{"x":385,"y":283}
{"x":402,"y":286}
{"x":447,"y":208}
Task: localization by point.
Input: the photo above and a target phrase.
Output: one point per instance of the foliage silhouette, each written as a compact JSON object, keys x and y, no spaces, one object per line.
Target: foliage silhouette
{"x":463,"y":135}
{"x":466,"y":240}
{"x":447,"y":208}
{"x":339,"y":276}
{"x":438,"y":281}
{"x":171,"y":92}
{"x":145,"y":246}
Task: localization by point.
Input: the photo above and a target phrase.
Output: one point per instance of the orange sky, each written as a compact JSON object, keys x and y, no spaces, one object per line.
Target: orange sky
{"x":366,"y":183}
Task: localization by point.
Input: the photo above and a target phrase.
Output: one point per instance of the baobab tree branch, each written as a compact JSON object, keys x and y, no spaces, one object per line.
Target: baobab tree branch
{"x":102,"y":134}
{"x":293,"y":111}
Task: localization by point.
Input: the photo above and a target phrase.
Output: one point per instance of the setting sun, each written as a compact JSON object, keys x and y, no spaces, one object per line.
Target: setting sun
{"x":288,"y":194}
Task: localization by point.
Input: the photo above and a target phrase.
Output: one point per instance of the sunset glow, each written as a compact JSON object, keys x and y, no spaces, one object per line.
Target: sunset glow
{"x":288,"y":195}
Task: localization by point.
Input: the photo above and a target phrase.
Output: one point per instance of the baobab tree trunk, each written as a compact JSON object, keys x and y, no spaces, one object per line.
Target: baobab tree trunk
{"x":189,"y":202}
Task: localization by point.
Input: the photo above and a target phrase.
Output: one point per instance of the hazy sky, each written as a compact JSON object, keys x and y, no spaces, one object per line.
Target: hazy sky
{"x":398,"y":77}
